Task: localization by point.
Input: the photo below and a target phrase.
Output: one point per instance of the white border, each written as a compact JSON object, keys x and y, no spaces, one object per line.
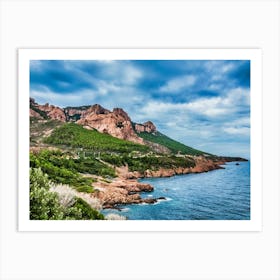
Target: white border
{"x":254,"y":55}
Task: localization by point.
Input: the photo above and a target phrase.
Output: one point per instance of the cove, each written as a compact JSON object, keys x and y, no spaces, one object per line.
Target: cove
{"x":222,"y":194}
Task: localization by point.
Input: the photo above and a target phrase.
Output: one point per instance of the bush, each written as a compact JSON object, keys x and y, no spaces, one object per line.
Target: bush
{"x":81,"y":210}
{"x":47,"y":205}
{"x":44,"y":205}
{"x":60,"y":169}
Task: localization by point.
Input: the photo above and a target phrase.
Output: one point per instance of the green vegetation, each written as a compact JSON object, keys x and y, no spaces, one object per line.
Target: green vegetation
{"x":74,"y":118}
{"x":174,"y":146}
{"x":40,"y":128}
{"x":45,"y":205}
{"x":82,"y":211}
{"x":75,"y":136}
{"x":150,"y":162}
{"x":63,"y":168}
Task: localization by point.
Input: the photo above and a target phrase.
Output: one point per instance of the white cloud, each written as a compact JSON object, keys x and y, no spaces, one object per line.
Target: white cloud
{"x":209,"y":107}
{"x":245,"y":131}
{"x":63,"y":100}
{"x":221,"y":106}
{"x":130,"y":75}
{"x":218,"y":69}
{"x":119,"y":72}
{"x":36,"y":65}
{"x":239,"y":126}
{"x":178,"y":83}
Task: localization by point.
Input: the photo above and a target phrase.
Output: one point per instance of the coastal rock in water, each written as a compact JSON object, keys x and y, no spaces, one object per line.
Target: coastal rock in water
{"x":149,"y":200}
{"x":204,"y":165}
{"x":121,"y":191}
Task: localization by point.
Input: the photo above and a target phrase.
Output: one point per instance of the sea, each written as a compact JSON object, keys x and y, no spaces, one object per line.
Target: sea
{"x":222,"y":194}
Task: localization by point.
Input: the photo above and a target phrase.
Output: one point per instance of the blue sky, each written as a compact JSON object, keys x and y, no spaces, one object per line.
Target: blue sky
{"x":202,"y":103}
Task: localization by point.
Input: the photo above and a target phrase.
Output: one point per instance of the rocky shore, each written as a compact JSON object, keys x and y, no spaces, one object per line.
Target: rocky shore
{"x":122,"y":191}
{"x":125,"y":189}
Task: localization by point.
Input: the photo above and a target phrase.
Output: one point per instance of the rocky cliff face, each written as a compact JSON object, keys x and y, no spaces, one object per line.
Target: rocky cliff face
{"x":116,"y":123}
{"x":77,"y":113}
{"x":34,"y":114}
{"x":49,"y":111}
{"x":145,"y":127}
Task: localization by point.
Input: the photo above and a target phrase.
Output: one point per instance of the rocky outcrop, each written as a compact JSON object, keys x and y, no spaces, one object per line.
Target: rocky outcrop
{"x":34,"y":114}
{"x":127,"y":190}
{"x":55,"y":113}
{"x":77,"y":113}
{"x":201,"y":165}
{"x":122,"y":191}
{"x":145,"y":127}
{"x":46,"y":111}
{"x":116,"y":123}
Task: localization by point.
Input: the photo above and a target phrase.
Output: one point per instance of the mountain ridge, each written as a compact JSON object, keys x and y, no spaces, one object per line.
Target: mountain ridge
{"x":116,"y":123}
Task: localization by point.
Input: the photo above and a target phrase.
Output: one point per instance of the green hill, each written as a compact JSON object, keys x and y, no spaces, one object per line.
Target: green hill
{"x":172,"y":145}
{"x":75,"y":136}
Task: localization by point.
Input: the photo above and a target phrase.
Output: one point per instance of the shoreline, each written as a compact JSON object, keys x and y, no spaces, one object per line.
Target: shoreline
{"x":126,"y":189}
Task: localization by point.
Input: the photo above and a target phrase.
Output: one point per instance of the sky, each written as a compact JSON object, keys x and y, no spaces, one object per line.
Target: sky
{"x":204,"y":104}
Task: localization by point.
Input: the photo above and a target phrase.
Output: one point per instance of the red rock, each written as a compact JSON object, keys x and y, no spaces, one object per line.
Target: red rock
{"x":145,"y":127}
{"x":116,"y":123}
{"x":34,"y":114}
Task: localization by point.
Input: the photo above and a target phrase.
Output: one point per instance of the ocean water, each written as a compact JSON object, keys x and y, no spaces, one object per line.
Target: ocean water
{"x":222,"y":194}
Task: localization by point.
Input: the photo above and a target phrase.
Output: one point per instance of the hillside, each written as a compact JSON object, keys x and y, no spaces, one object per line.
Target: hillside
{"x":75,"y":136}
{"x":174,"y":146}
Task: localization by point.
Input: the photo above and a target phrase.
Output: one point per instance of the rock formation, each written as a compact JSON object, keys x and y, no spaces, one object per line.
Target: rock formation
{"x":46,"y":111}
{"x":116,"y":123}
{"x":145,"y":127}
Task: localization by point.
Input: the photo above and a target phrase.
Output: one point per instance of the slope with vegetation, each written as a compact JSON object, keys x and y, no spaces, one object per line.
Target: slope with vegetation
{"x":172,"y":145}
{"x":75,"y":136}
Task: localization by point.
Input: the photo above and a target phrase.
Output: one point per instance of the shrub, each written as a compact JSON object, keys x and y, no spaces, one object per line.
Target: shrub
{"x":81,"y":210}
{"x":49,"y":202}
{"x":44,"y":205}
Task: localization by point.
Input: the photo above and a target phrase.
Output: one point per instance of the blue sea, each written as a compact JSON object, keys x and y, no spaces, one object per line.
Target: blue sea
{"x":222,"y":194}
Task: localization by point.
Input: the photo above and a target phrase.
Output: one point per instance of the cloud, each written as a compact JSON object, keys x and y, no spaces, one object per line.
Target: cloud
{"x":57,"y":99}
{"x":179,"y":83}
{"x":238,"y":130}
{"x":219,"y":106}
{"x":209,"y":107}
{"x":239,"y":126}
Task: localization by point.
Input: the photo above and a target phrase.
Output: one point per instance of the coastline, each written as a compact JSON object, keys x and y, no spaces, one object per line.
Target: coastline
{"x":126,"y":189}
